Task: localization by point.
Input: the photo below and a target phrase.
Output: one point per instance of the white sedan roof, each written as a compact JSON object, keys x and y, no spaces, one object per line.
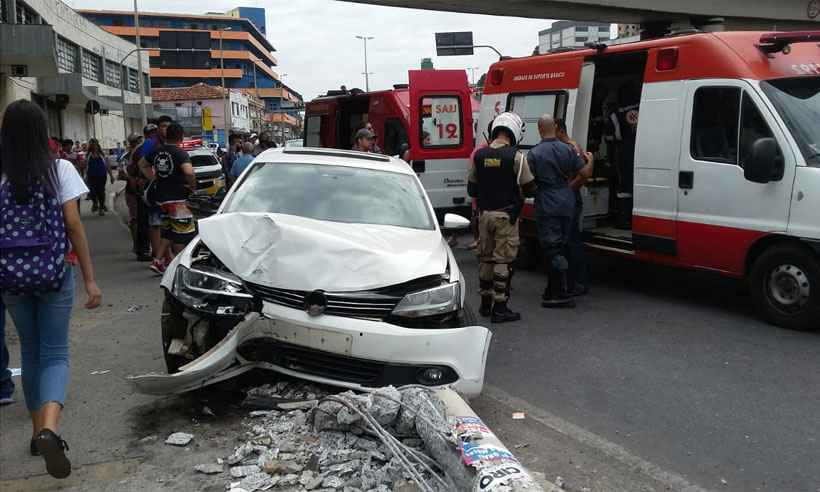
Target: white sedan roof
{"x":334,"y":157}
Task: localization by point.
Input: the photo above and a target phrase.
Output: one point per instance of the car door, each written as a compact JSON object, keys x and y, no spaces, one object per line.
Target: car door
{"x":441,"y":134}
{"x":720,"y":213}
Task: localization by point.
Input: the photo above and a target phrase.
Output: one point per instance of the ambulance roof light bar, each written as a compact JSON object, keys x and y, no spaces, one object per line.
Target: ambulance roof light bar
{"x":773,"y":42}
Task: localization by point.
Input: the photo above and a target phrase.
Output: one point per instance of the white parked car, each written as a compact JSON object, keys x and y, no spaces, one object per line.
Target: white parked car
{"x":327,"y":265}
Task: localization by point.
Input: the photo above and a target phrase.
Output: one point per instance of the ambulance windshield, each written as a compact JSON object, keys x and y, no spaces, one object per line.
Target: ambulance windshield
{"x":798,"y":102}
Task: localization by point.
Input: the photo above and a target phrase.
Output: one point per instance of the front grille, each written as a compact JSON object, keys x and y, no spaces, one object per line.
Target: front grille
{"x":207,"y":174}
{"x":313,"y":362}
{"x":366,"y":305}
{"x":336,"y":367}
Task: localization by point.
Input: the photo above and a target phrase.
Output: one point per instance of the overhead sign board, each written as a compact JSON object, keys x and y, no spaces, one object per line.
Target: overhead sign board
{"x":454,"y":43}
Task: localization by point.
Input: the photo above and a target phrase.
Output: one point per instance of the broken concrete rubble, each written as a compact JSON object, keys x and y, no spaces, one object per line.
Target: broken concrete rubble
{"x":380,"y":441}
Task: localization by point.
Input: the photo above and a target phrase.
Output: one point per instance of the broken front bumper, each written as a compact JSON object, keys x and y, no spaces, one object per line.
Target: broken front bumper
{"x":346,"y":352}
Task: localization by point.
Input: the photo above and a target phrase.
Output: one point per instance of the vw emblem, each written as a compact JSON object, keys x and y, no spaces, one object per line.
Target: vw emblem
{"x":316,"y":303}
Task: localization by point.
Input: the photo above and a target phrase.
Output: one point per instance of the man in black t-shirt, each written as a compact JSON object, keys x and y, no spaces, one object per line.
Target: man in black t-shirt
{"x":174,"y":180}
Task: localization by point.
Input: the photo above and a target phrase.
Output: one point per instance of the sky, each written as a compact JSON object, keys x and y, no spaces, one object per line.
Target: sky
{"x":316,"y":45}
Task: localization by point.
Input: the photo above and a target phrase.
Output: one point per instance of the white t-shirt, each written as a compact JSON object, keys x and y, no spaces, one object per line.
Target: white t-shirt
{"x":70,"y":183}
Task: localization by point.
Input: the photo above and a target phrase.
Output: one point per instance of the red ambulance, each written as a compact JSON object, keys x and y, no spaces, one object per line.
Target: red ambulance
{"x":433,"y":115}
{"x":726,"y":153}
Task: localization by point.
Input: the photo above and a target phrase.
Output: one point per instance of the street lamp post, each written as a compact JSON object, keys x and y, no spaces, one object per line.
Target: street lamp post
{"x":140,"y":84}
{"x":226,"y":116}
{"x":366,"y":73}
{"x":472,"y":72}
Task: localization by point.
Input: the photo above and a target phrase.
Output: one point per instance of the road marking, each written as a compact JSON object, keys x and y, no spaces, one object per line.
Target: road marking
{"x":619,"y":453}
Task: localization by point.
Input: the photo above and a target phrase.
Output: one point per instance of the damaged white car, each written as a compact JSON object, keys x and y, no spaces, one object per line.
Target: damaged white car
{"x":325,"y":265}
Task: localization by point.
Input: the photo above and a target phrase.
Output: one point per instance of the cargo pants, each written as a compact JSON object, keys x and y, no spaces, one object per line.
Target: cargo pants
{"x":497,"y":249}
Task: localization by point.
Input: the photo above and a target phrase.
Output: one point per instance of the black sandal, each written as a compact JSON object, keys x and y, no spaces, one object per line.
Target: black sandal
{"x":53,"y":449}
{"x":33,"y":448}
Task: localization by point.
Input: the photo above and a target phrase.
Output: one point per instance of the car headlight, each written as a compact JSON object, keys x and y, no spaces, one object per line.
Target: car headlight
{"x":430,"y":302}
{"x":213,"y":291}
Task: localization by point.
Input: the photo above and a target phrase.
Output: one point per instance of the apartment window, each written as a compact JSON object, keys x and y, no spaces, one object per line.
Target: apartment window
{"x":68,"y":55}
{"x":234,"y":109}
{"x":133,"y":80}
{"x":4,"y":11}
{"x":146,"y":85}
{"x":113,"y":74}
{"x":25,"y":15}
{"x":582,"y":28}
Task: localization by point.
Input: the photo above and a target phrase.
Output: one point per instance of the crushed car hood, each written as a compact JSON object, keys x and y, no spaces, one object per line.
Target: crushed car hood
{"x":298,"y":253}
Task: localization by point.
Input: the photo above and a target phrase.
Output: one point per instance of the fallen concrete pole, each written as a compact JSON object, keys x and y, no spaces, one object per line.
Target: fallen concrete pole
{"x":486,"y":463}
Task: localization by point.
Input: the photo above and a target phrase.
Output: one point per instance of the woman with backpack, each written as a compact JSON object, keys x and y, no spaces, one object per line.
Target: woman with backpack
{"x":39,"y":215}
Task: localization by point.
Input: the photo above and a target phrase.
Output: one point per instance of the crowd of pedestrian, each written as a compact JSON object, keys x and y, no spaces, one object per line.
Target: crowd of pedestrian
{"x":499,"y":178}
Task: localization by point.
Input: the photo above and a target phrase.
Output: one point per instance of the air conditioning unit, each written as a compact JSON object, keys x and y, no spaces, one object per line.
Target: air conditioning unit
{"x":19,"y":70}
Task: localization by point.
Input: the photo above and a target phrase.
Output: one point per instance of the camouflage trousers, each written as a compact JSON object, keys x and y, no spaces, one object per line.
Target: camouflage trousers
{"x":497,"y":249}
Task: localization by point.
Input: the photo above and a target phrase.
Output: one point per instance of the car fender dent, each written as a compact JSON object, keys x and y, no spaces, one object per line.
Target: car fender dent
{"x":204,"y":370}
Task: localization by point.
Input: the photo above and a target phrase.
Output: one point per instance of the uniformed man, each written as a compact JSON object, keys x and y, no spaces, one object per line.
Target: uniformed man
{"x":578,"y":279}
{"x":498,"y":178}
{"x":625,"y":121}
{"x":554,"y":165}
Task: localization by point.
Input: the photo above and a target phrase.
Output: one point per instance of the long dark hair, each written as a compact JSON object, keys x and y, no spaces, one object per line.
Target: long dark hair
{"x":24,"y":154}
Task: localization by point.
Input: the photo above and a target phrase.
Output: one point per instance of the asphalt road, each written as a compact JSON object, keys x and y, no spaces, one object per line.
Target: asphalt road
{"x":660,"y":380}
{"x":662,"y":371}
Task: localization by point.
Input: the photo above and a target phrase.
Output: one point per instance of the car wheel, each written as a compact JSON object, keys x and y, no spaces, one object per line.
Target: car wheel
{"x":785,"y":283}
{"x":174,"y":326}
{"x":468,"y":317}
{"x":527,"y":254}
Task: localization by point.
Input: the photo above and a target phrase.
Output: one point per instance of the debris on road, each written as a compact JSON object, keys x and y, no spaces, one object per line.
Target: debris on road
{"x":519,"y":416}
{"x":179,"y":439}
{"x":209,"y":468}
{"x":559,"y":482}
{"x":147,"y":439}
{"x":303,"y":437}
{"x":100,"y":373}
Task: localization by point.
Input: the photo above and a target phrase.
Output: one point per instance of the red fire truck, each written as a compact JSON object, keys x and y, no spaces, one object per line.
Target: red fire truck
{"x":433,"y":115}
{"x":726,"y":153}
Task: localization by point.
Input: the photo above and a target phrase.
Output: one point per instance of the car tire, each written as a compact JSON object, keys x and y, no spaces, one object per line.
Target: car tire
{"x":785,"y":283}
{"x":527,"y":254}
{"x":174,"y":326}
{"x":468,"y":317}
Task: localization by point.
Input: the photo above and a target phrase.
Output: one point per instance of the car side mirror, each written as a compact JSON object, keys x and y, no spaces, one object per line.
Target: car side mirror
{"x":455,"y":222}
{"x":761,"y":167}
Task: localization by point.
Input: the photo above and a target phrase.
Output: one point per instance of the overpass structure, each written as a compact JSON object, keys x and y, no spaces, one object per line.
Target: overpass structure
{"x":713,"y":14}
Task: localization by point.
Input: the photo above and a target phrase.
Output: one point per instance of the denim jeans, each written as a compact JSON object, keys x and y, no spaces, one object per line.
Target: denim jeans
{"x":42,"y":324}
{"x":6,"y":384}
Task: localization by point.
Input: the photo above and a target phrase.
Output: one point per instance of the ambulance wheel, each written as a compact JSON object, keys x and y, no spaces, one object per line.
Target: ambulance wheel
{"x":785,"y":283}
{"x":527,"y":254}
{"x":173,"y":326}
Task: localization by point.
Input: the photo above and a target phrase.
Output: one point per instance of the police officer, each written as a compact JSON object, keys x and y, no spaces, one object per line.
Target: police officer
{"x":498,"y":178}
{"x":554,"y":165}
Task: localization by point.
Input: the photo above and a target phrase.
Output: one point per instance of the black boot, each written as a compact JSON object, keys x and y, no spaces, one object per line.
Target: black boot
{"x":503,"y":314}
{"x":556,"y":295}
{"x":486,"y":306}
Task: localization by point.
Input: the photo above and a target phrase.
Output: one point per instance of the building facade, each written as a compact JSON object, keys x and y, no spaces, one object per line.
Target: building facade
{"x":85,"y":78}
{"x":200,"y":109}
{"x":570,"y":34}
{"x":236,"y":38}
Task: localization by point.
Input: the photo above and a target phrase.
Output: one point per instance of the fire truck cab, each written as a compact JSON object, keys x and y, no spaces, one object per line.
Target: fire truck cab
{"x":726,"y":159}
{"x":433,"y":115}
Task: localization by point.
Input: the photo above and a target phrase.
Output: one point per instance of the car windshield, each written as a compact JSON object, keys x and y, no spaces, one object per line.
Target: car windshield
{"x":202,"y":160}
{"x":333,"y":193}
{"x":798,"y":102}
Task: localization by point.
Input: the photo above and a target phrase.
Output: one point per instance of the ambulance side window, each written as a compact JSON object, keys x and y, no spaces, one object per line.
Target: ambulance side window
{"x":440,"y":122}
{"x":752,"y":127}
{"x":531,"y":106}
{"x":715,"y":118}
